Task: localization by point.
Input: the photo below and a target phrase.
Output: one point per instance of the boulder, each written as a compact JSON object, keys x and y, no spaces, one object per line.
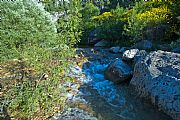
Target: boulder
{"x":129,"y":54}
{"x":157,"y":77}
{"x":114,"y":49}
{"x":102,"y":43}
{"x":143,"y":45}
{"x":118,"y":71}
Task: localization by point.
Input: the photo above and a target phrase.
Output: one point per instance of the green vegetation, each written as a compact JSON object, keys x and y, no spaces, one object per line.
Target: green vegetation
{"x":37,"y":56}
{"x":135,"y":21}
{"x":36,"y":51}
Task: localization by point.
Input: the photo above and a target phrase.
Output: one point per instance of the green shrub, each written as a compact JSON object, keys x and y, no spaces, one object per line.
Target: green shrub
{"x":110,"y":24}
{"x":24,"y":24}
{"x":147,"y":19}
{"x":88,"y":25}
{"x":39,"y":55}
{"x":69,"y":25}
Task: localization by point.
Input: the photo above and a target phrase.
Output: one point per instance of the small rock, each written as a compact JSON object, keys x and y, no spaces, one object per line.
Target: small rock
{"x":102,"y":43}
{"x":114,"y":49}
{"x":143,"y":45}
{"x":118,"y":71}
{"x":130,"y":54}
{"x":75,"y":114}
{"x":176,"y":50}
{"x":93,"y":36}
{"x":123,"y":49}
{"x":69,"y":95}
{"x":164,"y":47}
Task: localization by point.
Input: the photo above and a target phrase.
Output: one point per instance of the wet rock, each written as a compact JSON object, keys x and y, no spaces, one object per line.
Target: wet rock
{"x":102,"y":43}
{"x":157,"y":77}
{"x":99,"y":76}
{"x":114,"y":49}
{"x":143,"y":45}
{"x":75,"y":114}
{"x":118,"y":71}
{"x":129,"y":54}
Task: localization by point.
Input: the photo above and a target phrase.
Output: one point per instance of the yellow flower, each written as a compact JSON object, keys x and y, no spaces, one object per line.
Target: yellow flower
{"x":103,"y":16}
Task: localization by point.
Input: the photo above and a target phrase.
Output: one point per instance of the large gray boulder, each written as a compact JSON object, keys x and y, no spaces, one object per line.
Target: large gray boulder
{"x":118,"y":71}
{"x":157,"y":77}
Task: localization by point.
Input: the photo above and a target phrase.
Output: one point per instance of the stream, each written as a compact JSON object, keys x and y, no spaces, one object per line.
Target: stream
{"x":105,"y":100}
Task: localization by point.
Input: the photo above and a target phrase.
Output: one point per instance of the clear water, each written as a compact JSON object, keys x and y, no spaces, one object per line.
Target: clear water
{"x":111,"y":101}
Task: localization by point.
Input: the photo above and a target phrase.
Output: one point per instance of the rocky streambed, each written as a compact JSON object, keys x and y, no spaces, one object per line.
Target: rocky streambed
{"x":96,"y":98}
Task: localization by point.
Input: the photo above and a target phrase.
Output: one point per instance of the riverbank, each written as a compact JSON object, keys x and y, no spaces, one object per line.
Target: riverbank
{"x":101,"y":98}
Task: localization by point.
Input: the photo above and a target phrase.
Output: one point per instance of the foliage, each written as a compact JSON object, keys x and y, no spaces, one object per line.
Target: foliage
{"x":177,"y":31}
{"x":29,"y":39}
{"x":176,"y":18}
{"x":110,"y":24}
{"x":104,"y":16}
{"x":69,"y":25}
{"x":145,"y":20}
{"x":88,"y":24}
{"x":89,"y":10}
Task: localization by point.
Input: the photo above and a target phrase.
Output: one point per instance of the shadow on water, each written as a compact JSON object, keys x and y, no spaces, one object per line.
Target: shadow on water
{"x":110,"y":101}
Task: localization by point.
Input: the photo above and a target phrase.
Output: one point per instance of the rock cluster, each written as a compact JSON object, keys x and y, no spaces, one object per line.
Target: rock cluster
{"x":156,"y":76}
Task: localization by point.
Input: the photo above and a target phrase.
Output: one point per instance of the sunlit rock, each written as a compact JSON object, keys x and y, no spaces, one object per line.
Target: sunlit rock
{"x":157,"y":77}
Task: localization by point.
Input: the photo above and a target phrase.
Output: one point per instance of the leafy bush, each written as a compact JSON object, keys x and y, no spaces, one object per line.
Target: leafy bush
{"x":69,"y":25}
{"x":147,"y":19}
{"x":111,"y":24}
{"x":39,"y":55}
{"x":88,"y":25}
{"x":24,"y":24}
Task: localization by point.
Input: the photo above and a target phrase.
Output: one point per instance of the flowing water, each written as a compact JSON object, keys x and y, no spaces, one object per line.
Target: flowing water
{"x":108,"y":100}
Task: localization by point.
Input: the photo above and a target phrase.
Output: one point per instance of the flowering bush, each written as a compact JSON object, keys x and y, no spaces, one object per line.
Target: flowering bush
{"x":103,"y":16}
{"x":146,"y":19}
{"x":156,"y":15}
{"x":110,"y":24}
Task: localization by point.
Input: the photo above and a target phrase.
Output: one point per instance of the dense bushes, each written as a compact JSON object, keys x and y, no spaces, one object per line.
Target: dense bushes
{"x":138,"y":21}
{"x":88,"y":25}
{"x":37,"y":56}
{"x":146,"y":22}
{"x":110,"y":24}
